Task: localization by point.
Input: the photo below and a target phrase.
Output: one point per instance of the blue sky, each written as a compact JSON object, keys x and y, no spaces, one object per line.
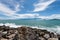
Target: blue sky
{"x":21,"y":9}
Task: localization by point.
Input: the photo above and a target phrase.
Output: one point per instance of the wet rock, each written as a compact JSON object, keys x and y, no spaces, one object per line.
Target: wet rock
{"x":11,"y":36}
{"x":0,"y":35}
{"x":58,"y":36}
{"x":53,"y":39}
{"x":47,"y":36}
{"x":3,"y":39}
{"x":27,"y":33}
{"x":16,"y":37}
{"x":41,"y":38}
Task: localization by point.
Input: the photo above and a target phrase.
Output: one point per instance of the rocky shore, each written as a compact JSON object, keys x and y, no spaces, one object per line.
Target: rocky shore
{"x":26,"y":33}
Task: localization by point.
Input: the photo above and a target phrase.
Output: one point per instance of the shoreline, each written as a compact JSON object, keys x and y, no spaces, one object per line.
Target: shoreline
{"x":27,"y":33}
{"x":51,"y":29}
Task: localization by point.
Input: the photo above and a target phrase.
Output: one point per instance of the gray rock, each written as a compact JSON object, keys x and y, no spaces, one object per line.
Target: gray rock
{"x":53,"y":39}
{"x":47,"y":36}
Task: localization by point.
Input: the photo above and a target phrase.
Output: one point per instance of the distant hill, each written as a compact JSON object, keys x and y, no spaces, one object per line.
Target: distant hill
{"x":29,"y":19}
{"x":54,"y":19}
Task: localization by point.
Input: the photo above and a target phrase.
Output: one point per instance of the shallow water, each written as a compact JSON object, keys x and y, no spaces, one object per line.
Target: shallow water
{"x":51,"y":25}
{"x":46,"y":23}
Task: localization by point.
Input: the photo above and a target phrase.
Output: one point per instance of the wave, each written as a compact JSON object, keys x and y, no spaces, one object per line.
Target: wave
{"x":13,"y":25}
{"x":55,"y":29}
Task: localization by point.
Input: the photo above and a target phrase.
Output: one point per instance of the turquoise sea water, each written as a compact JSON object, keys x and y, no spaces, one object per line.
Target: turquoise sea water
{"x":52,"y":25}
{"x":45,"y":23}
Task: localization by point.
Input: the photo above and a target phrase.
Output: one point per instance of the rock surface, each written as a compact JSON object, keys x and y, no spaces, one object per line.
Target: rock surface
{"x":26,"y":33}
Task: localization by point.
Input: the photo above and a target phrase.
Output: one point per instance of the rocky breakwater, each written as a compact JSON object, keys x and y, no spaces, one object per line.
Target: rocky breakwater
{"x":26,"y":33}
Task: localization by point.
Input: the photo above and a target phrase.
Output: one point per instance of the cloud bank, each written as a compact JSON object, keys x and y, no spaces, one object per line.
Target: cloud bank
{"x":42,"y":5}
{"x":53,"y":16}
{"x":7,"y":9}
{"x":13,"y":14}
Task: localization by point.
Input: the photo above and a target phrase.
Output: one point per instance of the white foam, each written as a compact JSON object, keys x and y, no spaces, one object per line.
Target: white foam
{"x":55,"y":29}
{"x":13,"y":25}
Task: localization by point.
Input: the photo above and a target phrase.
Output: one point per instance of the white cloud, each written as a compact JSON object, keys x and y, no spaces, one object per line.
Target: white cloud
{"x":41,"y":5}
{"x":17,"y":7}
{"x":23,"y":16}
{"x":20,"y":16}
{"x":29,"y":15}
{"x":54,"y":16}
{"x":38,"y":7}
{"x":6,"y":10}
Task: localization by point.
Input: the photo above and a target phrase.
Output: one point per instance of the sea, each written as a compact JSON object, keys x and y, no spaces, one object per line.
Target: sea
{"x":52,"y":25}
